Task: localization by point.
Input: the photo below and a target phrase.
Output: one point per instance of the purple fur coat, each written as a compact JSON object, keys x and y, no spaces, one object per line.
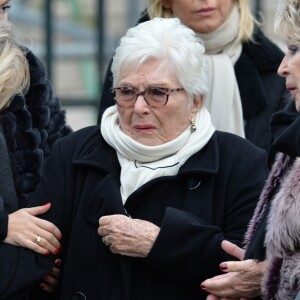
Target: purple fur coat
{"x":282,"y":277}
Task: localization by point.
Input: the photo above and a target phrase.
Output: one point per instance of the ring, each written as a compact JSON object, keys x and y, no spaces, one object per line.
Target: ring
{"x":38,"y":239}
{"x":105,"y":240}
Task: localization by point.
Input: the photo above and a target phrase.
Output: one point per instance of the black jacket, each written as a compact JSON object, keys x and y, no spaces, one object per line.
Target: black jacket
{"x":211,"y":198}
{"x":262,"y":90}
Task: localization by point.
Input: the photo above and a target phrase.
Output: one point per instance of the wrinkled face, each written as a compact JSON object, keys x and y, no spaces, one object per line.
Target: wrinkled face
{"x":4,"y":7}
{"x":290,"y":70}
{"x":203,"y":16}
{"x":152,"y":126}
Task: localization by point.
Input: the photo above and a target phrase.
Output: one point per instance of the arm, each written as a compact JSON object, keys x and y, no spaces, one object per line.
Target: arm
{"x":20,"y":261}
{"x":242,"y":278}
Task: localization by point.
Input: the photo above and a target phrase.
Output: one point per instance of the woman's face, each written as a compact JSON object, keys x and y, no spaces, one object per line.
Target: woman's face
{"x":155,"y":126}
{"x":4,"y":7}
{"x":203,"y":16}
{"x":290,"y":70}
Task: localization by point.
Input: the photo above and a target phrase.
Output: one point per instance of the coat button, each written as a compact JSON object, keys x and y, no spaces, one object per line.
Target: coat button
{"x":193,"y":184}
{"x":78,"y":296}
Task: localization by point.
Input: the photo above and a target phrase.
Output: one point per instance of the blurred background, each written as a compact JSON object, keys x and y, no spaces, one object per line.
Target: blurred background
{"x":76,"y":40}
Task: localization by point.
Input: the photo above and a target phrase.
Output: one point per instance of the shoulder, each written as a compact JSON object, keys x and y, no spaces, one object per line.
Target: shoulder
{"x":233,"y":146}
{"x":85,"y":138}
{"x":81,"y":136}
{"x":36,"y":67}
{"x":265,"y":54}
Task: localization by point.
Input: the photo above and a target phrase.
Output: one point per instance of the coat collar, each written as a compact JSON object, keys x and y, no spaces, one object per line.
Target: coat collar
{"x":95,"y":152}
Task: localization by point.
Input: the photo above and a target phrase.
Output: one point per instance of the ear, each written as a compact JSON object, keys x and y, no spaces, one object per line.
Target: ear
{"x":197,"y":103}
{"x":167,"y":4}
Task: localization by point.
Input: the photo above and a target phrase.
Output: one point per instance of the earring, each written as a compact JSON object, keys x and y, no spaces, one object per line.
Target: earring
{"x":193,"y":128}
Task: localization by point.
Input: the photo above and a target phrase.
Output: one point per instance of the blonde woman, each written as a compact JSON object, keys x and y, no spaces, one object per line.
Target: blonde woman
{"x":273,"y":237}
{"x":242,"y":62}
{"x":30,"y":121}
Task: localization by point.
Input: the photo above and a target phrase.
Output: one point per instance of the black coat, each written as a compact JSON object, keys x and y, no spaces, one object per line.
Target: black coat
{"x":211,"y":198}
{"x":31,"y":124}
{"x":262,"y":90}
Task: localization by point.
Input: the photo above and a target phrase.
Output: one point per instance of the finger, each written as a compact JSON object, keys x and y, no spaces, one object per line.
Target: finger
{"x":38,"y":210}
{"x":31,"y":245}
{"x":55,"y":272}
{"x":238,"y":266}
{"x":212,"y":297}
{"x":217,"y":283}
{"x":49,"y":283}
{"x":233,"y":250}
{"x":47,"y":241}
{"x":49,"y":227}
{"x":105,"y":220}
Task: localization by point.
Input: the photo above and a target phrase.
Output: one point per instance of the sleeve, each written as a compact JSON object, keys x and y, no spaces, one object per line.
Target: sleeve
{"x":3,"y":225}
{"x":189,"y":248}
{"x":20,"y":268}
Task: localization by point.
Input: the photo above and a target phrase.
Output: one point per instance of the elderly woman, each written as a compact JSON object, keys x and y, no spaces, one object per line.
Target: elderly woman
{"x":273,"y":234}
{"x":244,"y":87}
{"x":144,"y":202}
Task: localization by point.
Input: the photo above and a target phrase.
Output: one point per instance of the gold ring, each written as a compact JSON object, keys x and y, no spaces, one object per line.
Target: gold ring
{"x":38,"y":239}
{"x":105,"y":241}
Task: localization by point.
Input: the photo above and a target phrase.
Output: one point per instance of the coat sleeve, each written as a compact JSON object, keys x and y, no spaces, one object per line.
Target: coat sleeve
{"x":187,"y":247}
{"x":20,"y":268}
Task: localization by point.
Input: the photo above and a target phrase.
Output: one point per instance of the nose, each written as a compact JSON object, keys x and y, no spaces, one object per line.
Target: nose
{"x":140,"y":105}
{"x":283,"y":67}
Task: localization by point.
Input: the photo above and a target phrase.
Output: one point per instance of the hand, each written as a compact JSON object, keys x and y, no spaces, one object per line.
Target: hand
{"x":126,"y":236}
{"x":26,"y":230}
{"x":243,"y":278}
{"x":51,"y":280}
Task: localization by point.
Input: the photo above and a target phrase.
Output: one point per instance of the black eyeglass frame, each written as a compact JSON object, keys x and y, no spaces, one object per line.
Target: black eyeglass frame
{"x":142,"y":93}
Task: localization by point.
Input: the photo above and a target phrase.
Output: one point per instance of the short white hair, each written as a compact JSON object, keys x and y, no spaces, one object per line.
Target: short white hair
{"x":170,"y":42}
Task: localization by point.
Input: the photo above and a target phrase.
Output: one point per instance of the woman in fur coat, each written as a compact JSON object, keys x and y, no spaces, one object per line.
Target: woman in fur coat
{"x":273,"y":236}
{"x":30,"y":122}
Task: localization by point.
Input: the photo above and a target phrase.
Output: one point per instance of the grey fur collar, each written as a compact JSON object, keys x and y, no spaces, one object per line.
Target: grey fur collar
{"x":283,"y":236}
{"x":282,"y":277}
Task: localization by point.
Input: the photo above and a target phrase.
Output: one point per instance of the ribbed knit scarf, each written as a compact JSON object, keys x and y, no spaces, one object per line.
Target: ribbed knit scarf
{"x":222,"y":51}
{"x":140,"y":163}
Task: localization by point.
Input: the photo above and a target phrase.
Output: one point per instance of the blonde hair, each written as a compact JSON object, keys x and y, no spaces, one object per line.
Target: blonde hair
{"x":287,"y":19}
{"x":14,"y":69}
{"x":247,"y":21}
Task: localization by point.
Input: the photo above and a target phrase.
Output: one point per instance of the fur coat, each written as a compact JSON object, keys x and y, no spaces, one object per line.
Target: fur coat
{"x":282,"y":194}
{"x":31,"y":124}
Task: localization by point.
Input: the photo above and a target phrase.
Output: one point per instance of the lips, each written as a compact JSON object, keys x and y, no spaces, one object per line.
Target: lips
{"x":206,"y":11}
{"x":290,"y":87}
{"x":144,"y":128}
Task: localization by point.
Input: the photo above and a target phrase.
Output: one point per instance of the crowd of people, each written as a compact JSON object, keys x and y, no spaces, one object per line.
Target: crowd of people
{"x":188,"y":186}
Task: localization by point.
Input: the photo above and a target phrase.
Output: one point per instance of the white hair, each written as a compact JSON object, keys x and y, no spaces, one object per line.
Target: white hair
{"x":170,"y":42}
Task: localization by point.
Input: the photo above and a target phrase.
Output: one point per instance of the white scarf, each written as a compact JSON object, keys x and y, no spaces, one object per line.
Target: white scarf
{"x":223,"y":100}
{"x":140,"y":163}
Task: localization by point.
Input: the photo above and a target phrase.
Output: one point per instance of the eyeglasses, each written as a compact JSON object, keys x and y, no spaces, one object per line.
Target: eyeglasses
{"x":154,"y":96}
{"x":4,"y":8}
